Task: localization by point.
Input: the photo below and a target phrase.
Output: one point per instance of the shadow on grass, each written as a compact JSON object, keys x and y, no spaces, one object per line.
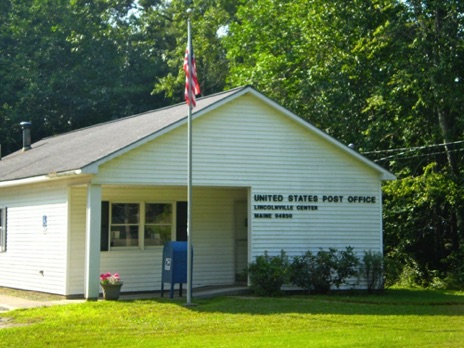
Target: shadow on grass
{"x":391,"y":302}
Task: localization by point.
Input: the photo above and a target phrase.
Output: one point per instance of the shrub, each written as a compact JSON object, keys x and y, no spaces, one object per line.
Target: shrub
{"x":372,"y":270}
{"x":406,"y":272}
{"x":346,"y":266}
{"x":393,"y":268}
{"x":455,"y":276}
{"x":312,"y":272}
{"x":268,"y":274}
{"x":412,"y":275}
{"x":318,"y":273}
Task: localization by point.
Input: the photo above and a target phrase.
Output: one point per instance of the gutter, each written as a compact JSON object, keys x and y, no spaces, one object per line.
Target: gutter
{"x":41,"y":178}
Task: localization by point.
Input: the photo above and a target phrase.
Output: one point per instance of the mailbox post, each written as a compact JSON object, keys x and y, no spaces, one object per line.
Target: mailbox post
{"x":174,"y":266}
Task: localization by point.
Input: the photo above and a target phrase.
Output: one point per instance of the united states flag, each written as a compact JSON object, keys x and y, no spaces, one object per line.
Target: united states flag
{"x":191,"y":81}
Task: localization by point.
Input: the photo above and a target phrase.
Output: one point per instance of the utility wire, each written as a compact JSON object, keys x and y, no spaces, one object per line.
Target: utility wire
{"x":418,"y":156}
{"x":409,"y":149}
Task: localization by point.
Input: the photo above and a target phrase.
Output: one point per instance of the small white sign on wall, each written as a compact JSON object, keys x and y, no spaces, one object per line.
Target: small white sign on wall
{"x":44,"y":223}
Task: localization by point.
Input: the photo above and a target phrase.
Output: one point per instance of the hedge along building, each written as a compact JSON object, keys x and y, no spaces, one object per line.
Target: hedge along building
{"x":107,"y":197}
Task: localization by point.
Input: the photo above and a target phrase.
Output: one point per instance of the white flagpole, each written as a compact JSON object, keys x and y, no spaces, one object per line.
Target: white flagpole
{"x":189,"y":186}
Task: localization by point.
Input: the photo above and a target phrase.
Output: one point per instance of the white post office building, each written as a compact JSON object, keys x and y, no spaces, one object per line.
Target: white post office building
{"x":106,"y":198}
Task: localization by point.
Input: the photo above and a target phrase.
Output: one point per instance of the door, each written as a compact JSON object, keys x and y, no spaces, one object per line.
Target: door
{"x":241,"y":240}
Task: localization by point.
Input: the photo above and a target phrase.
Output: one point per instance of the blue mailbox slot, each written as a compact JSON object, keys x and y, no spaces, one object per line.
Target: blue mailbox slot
{"x":174,"y":266}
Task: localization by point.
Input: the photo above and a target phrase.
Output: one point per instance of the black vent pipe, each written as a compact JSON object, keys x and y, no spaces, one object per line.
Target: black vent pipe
{"x":26,"y":127}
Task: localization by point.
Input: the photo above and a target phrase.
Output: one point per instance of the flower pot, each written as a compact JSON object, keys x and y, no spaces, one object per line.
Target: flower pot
{"x":111,"y":291}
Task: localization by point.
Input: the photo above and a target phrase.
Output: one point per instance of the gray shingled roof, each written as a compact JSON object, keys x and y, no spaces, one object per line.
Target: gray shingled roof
{"x":78,"y":149}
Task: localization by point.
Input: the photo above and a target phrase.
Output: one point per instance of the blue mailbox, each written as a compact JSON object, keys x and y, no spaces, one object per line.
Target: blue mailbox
{"x":175,"y":266}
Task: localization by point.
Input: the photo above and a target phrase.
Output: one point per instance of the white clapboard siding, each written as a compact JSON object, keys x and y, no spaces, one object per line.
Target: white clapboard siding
{"x":212,"y":237}
{"x":249,"y":144}
{"x":161,"y":162}
{"x":242,"y":144}
{"x":36,"y":256}
{"x":76,"y":250}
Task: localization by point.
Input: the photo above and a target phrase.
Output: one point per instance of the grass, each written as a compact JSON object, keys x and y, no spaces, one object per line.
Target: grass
{"x":397,"y":318}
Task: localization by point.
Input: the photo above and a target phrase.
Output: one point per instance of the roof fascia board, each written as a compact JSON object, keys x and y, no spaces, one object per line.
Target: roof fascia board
{"x":25,"y":181}
{"x":384,"y":174}
{"x":42,"y":178}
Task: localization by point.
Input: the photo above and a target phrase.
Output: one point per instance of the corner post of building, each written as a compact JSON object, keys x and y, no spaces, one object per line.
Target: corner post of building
{"x":92,"y":242}
{"x":250,"y":228}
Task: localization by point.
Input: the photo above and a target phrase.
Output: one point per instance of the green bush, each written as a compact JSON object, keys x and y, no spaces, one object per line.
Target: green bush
{"x":406,"y":272}
{"x":412,"y":275}
{"x":393,"y":268}
{"x":372,"y":270}
{"x":318,"y":273}
{"x":346,"y":266}
{"x":312,"y":272}
{"x":268,"y":273}
{"x":455,"y":276}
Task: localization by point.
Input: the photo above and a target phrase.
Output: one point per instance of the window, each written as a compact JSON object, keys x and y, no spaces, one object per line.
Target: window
{"x":125,"y":219}
{"x":2,"y":229}
{"x":140,"y":224}
{"x":158,"y":223}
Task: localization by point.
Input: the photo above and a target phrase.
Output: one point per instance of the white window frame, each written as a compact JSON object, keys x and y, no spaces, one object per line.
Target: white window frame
{"x":172,"y":224}
{"x":110,"y":225}
{"x":3,"y":229}
{"x":141,"y":224}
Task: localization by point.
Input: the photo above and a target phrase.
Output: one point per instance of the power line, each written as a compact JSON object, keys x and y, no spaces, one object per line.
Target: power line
{"x":409,"y":149}
{"x":417,"y":156}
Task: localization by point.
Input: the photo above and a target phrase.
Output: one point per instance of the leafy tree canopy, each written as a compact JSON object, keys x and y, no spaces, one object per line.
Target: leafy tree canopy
{"x":386,"y":75}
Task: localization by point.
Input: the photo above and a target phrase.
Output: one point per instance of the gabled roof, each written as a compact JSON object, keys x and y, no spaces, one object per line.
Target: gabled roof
{"x":81,"y":151}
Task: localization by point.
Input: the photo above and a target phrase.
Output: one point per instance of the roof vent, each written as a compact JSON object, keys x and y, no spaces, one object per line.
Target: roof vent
{"x":26,"y":127}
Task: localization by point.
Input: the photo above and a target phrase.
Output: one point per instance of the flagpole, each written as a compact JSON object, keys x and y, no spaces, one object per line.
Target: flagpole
{"x":189,"y":186}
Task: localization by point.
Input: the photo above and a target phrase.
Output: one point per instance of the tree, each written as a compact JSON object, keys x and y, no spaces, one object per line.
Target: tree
{"x":382,"y":74}
{"x":70,"y":64}
{"x":421,"y":224}
{"x":208,"y":18}
{"x":425,"y":87}
{"x":301,"y":54}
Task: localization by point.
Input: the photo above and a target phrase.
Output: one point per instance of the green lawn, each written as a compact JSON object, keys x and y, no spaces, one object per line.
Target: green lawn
{"x":398,"y":318}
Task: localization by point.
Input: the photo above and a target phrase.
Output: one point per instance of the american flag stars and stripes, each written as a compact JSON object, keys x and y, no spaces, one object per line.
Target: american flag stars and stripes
{"x":192,"y":88}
